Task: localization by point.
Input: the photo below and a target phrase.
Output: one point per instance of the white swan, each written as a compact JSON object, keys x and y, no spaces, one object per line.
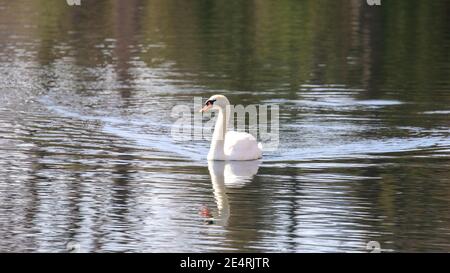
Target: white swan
{"x":229,"y":145}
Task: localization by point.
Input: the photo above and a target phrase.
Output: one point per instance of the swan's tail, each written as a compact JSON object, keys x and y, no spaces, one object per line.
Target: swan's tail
{"x":260,"y":149}
{"x":260,"y":146}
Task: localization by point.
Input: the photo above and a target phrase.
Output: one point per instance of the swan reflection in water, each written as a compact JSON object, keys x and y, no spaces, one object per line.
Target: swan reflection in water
{"x":227,"y":174}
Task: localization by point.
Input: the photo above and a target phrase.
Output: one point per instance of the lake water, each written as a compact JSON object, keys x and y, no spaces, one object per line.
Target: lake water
{"x":87,"y":156}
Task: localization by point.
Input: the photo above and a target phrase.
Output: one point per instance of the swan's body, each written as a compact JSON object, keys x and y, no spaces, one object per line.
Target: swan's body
{"x":240,"y":146}
{"x":229,"y":145}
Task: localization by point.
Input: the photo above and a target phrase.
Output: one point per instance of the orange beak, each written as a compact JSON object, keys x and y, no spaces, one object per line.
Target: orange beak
{"x":205,"y":108}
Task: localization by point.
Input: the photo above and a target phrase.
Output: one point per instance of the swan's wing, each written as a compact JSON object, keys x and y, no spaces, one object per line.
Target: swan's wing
{"x":241,"y":146}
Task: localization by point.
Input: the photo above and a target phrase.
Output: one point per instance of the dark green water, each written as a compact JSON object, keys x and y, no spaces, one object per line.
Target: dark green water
{"x":86,"y":154}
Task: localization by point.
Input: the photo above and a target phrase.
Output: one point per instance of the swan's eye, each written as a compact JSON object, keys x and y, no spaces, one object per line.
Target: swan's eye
{"x":210,"y":102}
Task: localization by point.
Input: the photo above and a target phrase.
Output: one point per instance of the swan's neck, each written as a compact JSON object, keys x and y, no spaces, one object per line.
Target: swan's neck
{"x":216,"y":151}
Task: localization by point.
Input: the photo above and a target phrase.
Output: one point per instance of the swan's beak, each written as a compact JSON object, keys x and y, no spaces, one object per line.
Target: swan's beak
{"x":205,"y":108}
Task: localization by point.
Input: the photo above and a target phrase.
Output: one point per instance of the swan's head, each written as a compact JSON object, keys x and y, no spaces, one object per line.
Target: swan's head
{"x":215,"y":102}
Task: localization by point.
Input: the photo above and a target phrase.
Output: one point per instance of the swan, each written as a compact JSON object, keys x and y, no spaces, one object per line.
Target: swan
{"x":229,"y":145}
